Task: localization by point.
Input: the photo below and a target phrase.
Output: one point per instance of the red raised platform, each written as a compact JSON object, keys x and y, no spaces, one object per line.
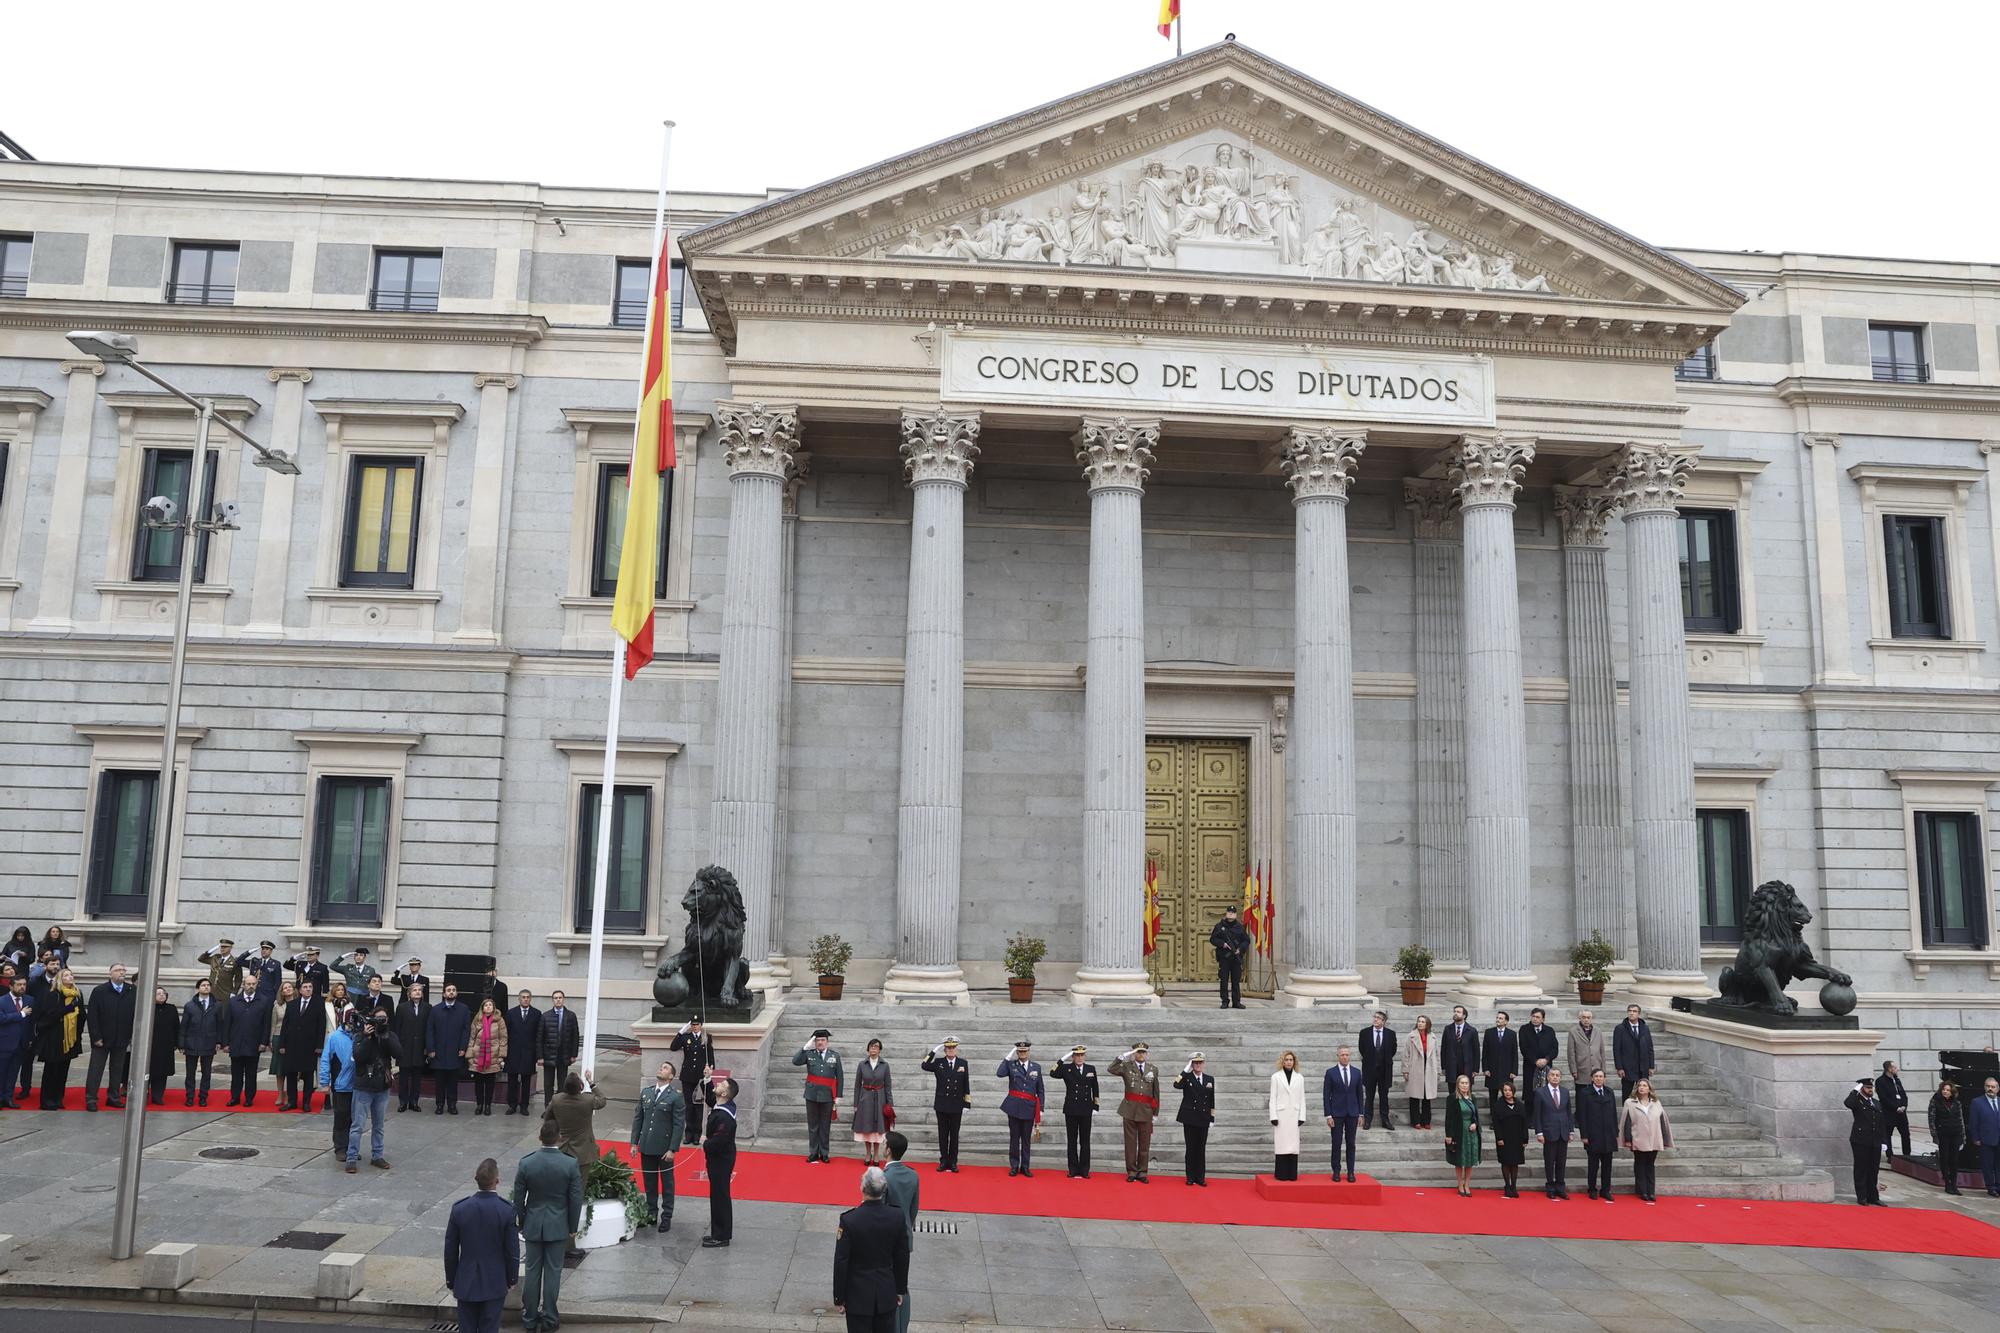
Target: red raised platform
{"x":1365,"y":1192}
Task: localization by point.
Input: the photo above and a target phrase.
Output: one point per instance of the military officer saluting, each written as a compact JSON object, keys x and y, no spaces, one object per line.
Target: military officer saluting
{"x":825,"y":1083}
{"x":1136,"y":1111}
{"x":1026,"y":1094}
{"x":264,"y":966}
{"x":355,"y":969}
{"x":225,"y":970}
{"x":1079,"y":1082}
{"x":954,"y":1094}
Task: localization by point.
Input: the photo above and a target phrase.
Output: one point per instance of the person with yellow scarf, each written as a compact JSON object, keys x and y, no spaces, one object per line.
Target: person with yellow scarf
{"x":58,"y":1036}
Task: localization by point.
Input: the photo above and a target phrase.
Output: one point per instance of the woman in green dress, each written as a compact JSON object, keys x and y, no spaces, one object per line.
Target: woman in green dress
{"x":1461,"y":1133}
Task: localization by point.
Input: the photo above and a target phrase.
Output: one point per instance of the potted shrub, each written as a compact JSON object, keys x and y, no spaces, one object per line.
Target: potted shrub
{"x":613,"y":1208}
{"x":1590,"y":967}
{"x":830,"y":955}
{"x":1413,"y":965}
{"x":1023,"y":952}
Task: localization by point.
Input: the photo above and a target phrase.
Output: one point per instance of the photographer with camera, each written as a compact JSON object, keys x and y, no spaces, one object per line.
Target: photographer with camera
{"x":374,"y":1050}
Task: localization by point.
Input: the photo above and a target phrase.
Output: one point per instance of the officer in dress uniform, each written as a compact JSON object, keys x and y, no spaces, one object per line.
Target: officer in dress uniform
{"x":264,"y":966}
{"x":225,"y":970}
{"x":1079,"y":1082}
{"x":954,"y":1094}
{"x":871,"y":1260}
{"x":697,"y":1050}
{"x":308,"y":967}
{"x":1196,"y":1115}
{"x":1140,"y":1104}
{"x":355,"y":969}
{"x":825,"y":1083}
{"x":1026,"y":1095}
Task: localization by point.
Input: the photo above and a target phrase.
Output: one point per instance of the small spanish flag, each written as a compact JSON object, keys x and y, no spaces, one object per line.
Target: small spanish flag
{"x":1252,"y":904}
{"x":652,"y":454}
{"x":1151,"y":918}
{"x":1169,"y":11}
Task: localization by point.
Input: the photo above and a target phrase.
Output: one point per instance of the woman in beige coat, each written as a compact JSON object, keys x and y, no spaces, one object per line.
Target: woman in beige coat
{"x":1423,"y":1072}
{"x":1643,"y":1129}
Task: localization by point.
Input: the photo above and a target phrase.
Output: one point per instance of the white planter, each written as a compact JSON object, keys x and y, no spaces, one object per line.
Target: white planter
{"x":604,"y":1224}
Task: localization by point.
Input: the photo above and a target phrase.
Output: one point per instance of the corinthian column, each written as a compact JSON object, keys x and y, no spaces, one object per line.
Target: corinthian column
{"x":938,"y":449}
{"x":1115,"y":453}
{"x":1439,"y":574}
{"x":1487,"y":470}
{"x":1319,"y":466}
{"x":1593,"y":716}
{"x":758,"y":444}
{"x":1650,"y":479}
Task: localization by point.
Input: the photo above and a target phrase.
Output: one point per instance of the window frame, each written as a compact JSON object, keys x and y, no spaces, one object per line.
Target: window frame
{"x":616,"y":921}
{"x":1898,"y":554}
{"x":143,"y":570}
{"x":207,"y":292}
{"x":409,"y":302}
{"x":1699,"y":365}
{"x":1714,"y":931}
{"x":1893,"y":368}
{"x":325,"y":795}
{"x":104,"y":814}
{"x":358,"y":465}
{"x":627,"y":313}
{"x":1974,"y":884}
{"x":603,"y":580}
{"x":1728,"y":617}
{"x":9,"y":241}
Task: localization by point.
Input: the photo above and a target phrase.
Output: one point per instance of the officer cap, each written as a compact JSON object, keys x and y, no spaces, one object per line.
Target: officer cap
{"x":361,"y":950}
{"x":312,"y":948}
{"x":1197,"y":1058}
{"x":1079,"y":1050}
{"x":1024,"y":1044}
{"x":227,"y":942}
{"x":951,"y":1041}
{"x":821,"y":1032}
{"x":1139,"y":1047}
{"x":266,"y":944}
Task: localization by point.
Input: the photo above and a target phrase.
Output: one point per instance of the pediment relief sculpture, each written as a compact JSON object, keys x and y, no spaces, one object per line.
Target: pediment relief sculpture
{"x":1215,"y":204}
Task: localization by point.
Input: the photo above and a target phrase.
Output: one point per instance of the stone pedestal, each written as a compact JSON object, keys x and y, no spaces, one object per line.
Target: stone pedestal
{"x":742,"y":1051}
{"x":168,"y":1266}
{"x":340,"y":1277}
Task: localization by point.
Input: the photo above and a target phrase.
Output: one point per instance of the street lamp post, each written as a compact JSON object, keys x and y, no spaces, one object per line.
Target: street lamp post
{"x":192,"y":525}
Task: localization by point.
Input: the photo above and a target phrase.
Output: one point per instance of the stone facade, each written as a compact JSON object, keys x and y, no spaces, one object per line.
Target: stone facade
{"x":480,"y":689}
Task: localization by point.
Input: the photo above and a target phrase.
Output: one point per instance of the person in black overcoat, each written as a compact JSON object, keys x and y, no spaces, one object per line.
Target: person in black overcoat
{"x":1196,"y":1115}
{"x":201,"y":1038}
{"x":562,"y":1038}
{"x":1597,"y":1126}
{"x":110,"y":1013}
{"x":1864,"y":1140}
{"x":412,"y":1025}
{"x":1500,"y":1055}
{"x":52,"y":1043}
{"x":871,"y":1261}
{"x":1509,"y":1121}
{"x":301,"y":1034}
{"x":1458,"y":1050}
{"x":524,"y":1051}
{"x":718,"y":1148}
{"x":165,"y":1052}
{"x":445,"y":1040}
{"x":246,"y":1030}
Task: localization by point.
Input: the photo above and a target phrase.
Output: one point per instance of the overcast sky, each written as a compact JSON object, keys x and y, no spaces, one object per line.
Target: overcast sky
{"x":1833,"y":127}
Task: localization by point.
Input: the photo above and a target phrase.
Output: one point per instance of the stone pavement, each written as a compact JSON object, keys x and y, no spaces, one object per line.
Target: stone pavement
{"x":57,"y":1171}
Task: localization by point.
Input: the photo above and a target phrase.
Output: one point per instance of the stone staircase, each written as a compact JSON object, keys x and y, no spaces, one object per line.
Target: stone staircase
{"x":1717,"y":1152}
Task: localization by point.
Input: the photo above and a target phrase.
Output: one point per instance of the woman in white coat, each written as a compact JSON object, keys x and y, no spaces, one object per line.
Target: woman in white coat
{"x":1288,"y":1112}
{"x":1423,"y":1072}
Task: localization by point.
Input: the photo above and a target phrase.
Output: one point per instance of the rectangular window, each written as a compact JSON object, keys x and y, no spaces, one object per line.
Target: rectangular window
{"x":203,"y":275}
{"x":1896,"y":353}
{"x":1913,"y":551}
{"x":625,"y":877}
{"x":1698,"y":364}
{"x":1724,"y":837}
{"x":1951,"y":879}
{"x":121,"y":843}
{"x":15,"y":254}
{"x":350,"y":865}
{"x":380,"y":548}
{"x":628,"y":307}
{"x":156,"y":552}
{"x":677,"y":293}
{"x":407,"y":280}
{"x":611,"y":497}
{"x":1708,"y":571}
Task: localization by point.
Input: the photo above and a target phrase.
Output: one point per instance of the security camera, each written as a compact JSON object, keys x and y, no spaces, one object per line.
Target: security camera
{"x":225,"y":514}
{"x":161,"y":512}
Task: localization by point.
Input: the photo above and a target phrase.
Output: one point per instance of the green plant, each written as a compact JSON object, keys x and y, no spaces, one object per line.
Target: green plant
{"x":830,"y":955}
{"x":1413,"y":962}
{"x":1023,"y":952}
{"x":610,"y":1179}
{"x":1590,"y":960}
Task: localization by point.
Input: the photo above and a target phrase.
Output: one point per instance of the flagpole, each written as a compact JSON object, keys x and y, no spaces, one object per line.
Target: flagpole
{"x":608,"y":794}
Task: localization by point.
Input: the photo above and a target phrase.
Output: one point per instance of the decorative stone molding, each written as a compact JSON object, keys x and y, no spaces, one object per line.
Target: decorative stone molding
{"x":496,"y":379}
{"x":1116,"y":452}
{"x":802,"y":463}
{"x":1281,"y":711}
{"x":278,"y":374}
{"x":1584,"y":511}
{"x":939,"y":446}
{"x":1319,"y":462}
{"x":1649,"y":478}
{"x":1819,"y":440}
{"x":1487,"y":469}
{"x":89,"y":367}
{"x":1433,"y":506}
{"x":759,"y":440}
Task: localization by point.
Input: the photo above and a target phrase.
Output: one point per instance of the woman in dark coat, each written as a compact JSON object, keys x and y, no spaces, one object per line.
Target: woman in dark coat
{"x":166,"y":1046}
{"x":59,"y":1029}
{"x":1510,"y":1137}
{"x":1947,"y":1117}
{"x":55,"y":941}
{"x":20,"y":949}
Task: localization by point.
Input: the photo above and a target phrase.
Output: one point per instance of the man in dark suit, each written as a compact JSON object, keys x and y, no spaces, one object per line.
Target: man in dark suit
{"x":17,"y":1030}
{"x":201,"y":1038}
{"x":1553,"y":1116}
{"x":1864,"y":1140}
{"x":1632,"y":1050}
{"x":953,"y":1079}
{"x":548,"y":1207}
{"x":1538,"y":1048}
{"x":903,"y":1196}
{"x":562,"y":1038}
{"x":1895,"y":1104}
{"x":301,"y":1033}
{"x":1500,"y":1054}
{"x":246,"y":1030}
{"x":718,"y":1148}
{"x":482,"y":1252}
{"x":1597,"y":1126}
{"x":871,"y":1260}
{"x":1982,"y":1130}
{"x":1378,"y":1065}
{"x":1342,"y":1101}
{"x":110,"y":1013}
{"x":446,"y":1036}
{"x":524,"y":1052}
{"x":697,"y":1050}
{"x":1080,"y":1094}
{"x":1458,"y":1050}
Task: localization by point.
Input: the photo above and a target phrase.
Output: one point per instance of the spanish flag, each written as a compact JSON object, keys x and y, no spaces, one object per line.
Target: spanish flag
{"x":1251,"y":904}
{"x":1150,"y":919}
{"x":1169,"y":11}
{"x":652,"y":454}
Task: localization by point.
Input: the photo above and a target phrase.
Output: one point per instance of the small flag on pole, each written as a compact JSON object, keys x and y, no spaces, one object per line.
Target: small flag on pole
{"x":652,"y":454}
{"x":1170,"y":11}
{"x":1270,"y":909}
{"x":1251,"y":905}
{"x":1150,"y":927}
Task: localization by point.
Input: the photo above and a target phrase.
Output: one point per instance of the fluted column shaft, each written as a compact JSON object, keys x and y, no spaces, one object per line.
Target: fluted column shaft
{"x":938,"y":449}
{"x":758,"y":444}
{"x":1439,"y":574}
{"x":1664,"y":863}
{"x":1319,"y":467}
{"x":1115,"y":453}
{"x":1595,"y":842}
{"x":1488,"y":472}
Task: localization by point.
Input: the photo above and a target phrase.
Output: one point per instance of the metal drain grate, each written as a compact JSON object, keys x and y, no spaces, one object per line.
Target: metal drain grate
{"x":932,"y":1228}
{"x":303,"y":1240}
{"x":227,"y":1154}
{"x":442,"y":1326}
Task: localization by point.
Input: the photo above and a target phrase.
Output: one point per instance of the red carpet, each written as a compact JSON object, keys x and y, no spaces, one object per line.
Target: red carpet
{"x":267,"y":1101}
{"x":771,"y":1178}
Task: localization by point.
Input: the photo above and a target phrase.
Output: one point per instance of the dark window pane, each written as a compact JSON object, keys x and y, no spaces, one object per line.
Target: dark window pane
{"x":1724,"y":838}
{"x":1895,"y":352}
{"x":628,"y":310}
{"x":676,"y":293}
{"x":1951,"y":879}
{"x":1698,"y":364}
{"x":1914,"y":560}
{"x":1708,"y":570}
{"x":203,"y":275}
{"x":351,"y":849}
{"x":121,"y":861}
{"x":157,"y":551}
{"x":15,"y":254}
{"x":407,"y":280}
{"x":611,"y":499}
{"x":626,"y":876}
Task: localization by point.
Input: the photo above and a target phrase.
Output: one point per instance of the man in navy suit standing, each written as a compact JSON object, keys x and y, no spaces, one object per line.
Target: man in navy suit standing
{"x":1342,"y":1102}
{"x":1458,"y":1049}
{"x":1554,"y":1121}
{"x":1500,"y":1055}
{"x":482,"y":1252}
{"x":1378,"y":1063}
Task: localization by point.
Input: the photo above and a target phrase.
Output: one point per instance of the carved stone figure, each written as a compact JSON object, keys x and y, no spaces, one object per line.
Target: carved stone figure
{"x":1385,"y":262}
{"x":1423,"y":257}
{"x":710,"y":960}
{"x":1086,"y":222}
{"x":1354,"y":237}
{"x":1153,"y":218}
{"x":1501,"y":277}
{"x":1773,"y":952}
{"x":1281,"y":212}
{"x":1322,"y":256}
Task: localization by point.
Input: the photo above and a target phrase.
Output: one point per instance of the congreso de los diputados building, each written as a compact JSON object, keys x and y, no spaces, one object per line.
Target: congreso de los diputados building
{"x":1204,"y":470}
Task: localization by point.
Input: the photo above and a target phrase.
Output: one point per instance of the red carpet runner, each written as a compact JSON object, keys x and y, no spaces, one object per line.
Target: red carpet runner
{"x":267,"y":1101}
{"x":767,"y":1177}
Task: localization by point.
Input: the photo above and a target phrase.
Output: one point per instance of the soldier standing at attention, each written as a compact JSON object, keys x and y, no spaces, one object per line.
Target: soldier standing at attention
{"x":1079,"y":1082}
{"x":954,"y":1094}
{"x":1197,"y":1113}
{"x":1141,"y":1104}
{"x":1026,"y":1094}
{"x":824,"y":1085}
{"x":1231,"y":942}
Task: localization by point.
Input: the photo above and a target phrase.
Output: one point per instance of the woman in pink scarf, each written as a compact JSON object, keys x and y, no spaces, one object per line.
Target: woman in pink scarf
{"x":486,"y":1053}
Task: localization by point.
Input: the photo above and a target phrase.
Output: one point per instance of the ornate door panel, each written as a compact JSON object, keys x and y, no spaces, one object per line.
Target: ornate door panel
{"x":1197,"y":832}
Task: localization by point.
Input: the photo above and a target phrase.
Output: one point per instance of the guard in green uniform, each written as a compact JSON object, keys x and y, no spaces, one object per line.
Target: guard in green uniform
{"x":825,"y":1084}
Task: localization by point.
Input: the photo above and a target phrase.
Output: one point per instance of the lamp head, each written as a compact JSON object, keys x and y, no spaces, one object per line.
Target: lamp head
{"x":104,"y":345}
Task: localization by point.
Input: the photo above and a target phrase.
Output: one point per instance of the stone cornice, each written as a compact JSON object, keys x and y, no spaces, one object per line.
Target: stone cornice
{"x":274,"y":322}
{"x":1823,"y":391}
{"x":165,"y":404}
{"x":24,"y":400}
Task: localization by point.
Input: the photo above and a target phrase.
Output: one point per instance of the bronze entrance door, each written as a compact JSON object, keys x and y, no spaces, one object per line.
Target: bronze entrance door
{"x":1198,"y":834}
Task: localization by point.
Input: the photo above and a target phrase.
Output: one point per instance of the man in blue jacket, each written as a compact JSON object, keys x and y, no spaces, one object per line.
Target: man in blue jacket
{"x":1342,"y":1102}
{"x":17,"y":1026}
{"x":246,"y":1031}
{"x":482,"y":1252}
{"x":1983,"y":1128}
{"x":336,"y":1075}
{"x":1553,"y":1119}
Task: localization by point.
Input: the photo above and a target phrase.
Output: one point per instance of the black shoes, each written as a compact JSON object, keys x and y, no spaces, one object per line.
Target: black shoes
{"x":438,"y":1109}
{"x":711,"y":1243}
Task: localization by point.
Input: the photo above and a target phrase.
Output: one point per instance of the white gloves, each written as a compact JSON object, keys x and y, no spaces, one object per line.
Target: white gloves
{"x":808,"y":1046}
{"x":686,"y":1026}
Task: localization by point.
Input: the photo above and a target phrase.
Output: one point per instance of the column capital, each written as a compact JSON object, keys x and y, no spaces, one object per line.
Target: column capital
{"x":279,"y":374}
{"x":496,"y":380}
{"x":91,"y":366}
{"x":939,"y":446}
{"x":802,"y":466}
{"x":1434,"y":505}
{"x":1487,"y":469}
{"x":1319,"y":462}
{"x":1819,"y":440}
{"x":758,"y":440}
{"x":1989,"y":447}
{"x":1650,"y":478}
{"x":1116,"y":452}
{"x":1584,"y":511}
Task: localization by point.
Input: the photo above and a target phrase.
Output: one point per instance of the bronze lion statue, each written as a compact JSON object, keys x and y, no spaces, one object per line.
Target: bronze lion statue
{"x":710,"y":961}
{"x":1773,"y":952}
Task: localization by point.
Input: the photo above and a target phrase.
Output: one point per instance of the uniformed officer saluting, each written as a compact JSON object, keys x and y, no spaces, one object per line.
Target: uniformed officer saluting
{"x":1197,"y":1113}
{"x":1136,"y":1111}
{"x":1026,"y":1094}
{"x":825,"y":1084}
{"x":954,"y":1094}
{"x":1079,"y":1082}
